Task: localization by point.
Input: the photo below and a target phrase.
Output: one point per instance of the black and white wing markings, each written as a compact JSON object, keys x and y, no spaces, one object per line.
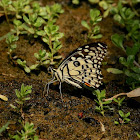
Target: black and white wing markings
{"x":82,"y":66}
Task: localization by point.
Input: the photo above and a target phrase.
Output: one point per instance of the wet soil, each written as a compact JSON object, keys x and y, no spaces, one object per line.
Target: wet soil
{"x":74,"y":118}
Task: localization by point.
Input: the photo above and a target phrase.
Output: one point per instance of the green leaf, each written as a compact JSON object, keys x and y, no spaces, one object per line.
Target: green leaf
{"x":103,"y":4}
{"x":107,"y":102}
{"x":14,"y":107}
{"x":121,"y":114}
{"x":3,"y":128}
{"x":118,"y":18}
{"x":136,"y":69}
{"x":94,"y":1}
{"x":39,"y":22}
{"x":94,"y":13}
{"x":40,"y":33}
{"x":116,"y":122}
{"x":27,"y":69}
{"x":130,"y":60}
{"x":114,"y":71}
{"x":85,"y":24}
{"x":57,"y":57}
{"x":123,"y":61}
{"x":33,"y":67}
{"x":128,"y":114}
{"x":118,"y":40}
{"x":106,"y":13}
{"x":26,"y":19}
{"x":75,"y":2}
{"x":134,"y":50}
{"x":97,"y":36}
{"x":27,"y":98}
{"x":17,"y":22}
{"x":33,"y":17}
{"x":22,"y":63}
{"x":46,"y":62}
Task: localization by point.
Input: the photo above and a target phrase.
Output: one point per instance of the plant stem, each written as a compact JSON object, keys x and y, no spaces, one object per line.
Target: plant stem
{"x":6,"y":15}
{"x":136,"y":64}
{"x":51,"y":47}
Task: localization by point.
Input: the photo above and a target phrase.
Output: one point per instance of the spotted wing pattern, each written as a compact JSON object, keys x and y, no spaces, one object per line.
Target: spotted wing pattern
{"x":82,"y":66}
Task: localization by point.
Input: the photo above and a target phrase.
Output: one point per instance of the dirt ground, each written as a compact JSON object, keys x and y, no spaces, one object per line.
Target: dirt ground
{"x":54,"y":119}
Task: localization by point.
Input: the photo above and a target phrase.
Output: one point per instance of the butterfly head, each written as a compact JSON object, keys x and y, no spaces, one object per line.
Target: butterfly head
{"x":52,"y":70}
{"x":54,"y":73}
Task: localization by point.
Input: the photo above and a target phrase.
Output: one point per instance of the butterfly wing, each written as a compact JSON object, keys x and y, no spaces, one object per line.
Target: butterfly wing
{"x":82,"y":66}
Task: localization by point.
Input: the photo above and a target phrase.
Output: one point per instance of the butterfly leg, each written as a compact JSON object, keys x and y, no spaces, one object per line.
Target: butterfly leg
{"x":47,"y":86}
{"x":60,"y":91}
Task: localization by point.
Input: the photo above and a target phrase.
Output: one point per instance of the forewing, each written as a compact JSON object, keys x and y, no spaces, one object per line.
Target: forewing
{"x":82,"y":66}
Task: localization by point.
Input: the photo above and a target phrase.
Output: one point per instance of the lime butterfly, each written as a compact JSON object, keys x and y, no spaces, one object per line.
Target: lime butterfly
{"x":81,"y":67}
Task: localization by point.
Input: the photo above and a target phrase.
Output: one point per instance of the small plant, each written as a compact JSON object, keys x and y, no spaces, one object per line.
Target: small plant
{"x":28,"y":133}
{"x":93,"y":28}
{"x":102,"y":105}
{"x":52,"y":37}
{"x":11,"y":40}
{"x":131,"y":67}
{"x":22,"y":97}
{"x":119,"y":101}
{"x":126,"y":18}
{"x":124,"y":118}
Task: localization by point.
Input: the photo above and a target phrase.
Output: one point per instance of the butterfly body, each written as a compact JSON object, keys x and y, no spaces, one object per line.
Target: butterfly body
{"x":81,"y":67}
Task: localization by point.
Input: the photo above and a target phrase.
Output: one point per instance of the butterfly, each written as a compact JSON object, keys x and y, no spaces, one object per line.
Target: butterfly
{"x":81,"y":67}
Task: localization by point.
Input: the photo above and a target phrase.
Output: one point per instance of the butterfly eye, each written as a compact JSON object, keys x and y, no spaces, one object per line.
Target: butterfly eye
{"x":49,"y":69}
{"x":76,"y":63}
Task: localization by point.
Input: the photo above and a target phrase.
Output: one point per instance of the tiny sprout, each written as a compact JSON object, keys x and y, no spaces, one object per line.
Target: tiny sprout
{"x":119,"y":101}
{"x":102,"y":104}
{"x":28,"y":133}
{"x":22,"y":97}
{"x":124,"y":118}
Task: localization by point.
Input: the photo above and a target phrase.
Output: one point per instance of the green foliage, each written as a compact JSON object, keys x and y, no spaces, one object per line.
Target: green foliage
{"x":126,"y":17}
{"x":93,"y":28}
{"x":42,"y":59}
{"x":32,"y":24}
{"x":39,"y":22}
{"x":124,"y":118}
{"x":22,"y":96}
{"x":119,"y":101}
{"x":28,"y":133}
{"x":131,"y":67}
{"x":11,"y":40}
{"x":106,"y":5}
{"x":20,"y":7}
{"x":102,"y":105}
{"x":3,"y":128}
